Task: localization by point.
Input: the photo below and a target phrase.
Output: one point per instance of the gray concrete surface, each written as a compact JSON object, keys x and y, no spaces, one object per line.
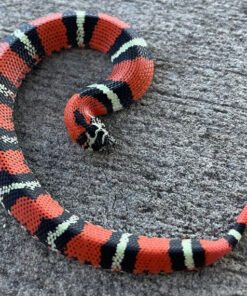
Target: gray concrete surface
{"x":180,"y":168}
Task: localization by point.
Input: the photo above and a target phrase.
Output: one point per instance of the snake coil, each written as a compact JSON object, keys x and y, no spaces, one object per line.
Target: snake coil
{"x":21,"y":193}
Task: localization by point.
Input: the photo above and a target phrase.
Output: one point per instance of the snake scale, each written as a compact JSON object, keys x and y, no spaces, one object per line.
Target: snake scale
{"x":21,"y":193}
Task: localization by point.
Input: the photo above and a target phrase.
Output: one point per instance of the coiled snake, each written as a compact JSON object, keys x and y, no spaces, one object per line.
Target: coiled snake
{"x":21,"y":193}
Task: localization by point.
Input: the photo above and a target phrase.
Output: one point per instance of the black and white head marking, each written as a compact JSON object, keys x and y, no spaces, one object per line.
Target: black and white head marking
{"x":97,"y":135}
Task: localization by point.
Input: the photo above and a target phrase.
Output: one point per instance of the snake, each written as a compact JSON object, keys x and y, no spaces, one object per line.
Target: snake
{"x":22,"y":195}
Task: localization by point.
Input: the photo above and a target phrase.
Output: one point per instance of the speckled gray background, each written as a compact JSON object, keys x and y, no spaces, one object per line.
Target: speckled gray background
{"x":180,"y":167}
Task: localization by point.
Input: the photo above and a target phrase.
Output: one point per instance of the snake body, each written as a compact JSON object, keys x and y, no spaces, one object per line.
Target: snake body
{"x":21,"y":193}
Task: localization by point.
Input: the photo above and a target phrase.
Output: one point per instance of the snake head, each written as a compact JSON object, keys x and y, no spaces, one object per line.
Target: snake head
{"x":98,"y":137}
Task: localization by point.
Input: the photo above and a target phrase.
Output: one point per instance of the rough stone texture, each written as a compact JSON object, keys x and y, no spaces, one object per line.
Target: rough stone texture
{"x":180,"y":167}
